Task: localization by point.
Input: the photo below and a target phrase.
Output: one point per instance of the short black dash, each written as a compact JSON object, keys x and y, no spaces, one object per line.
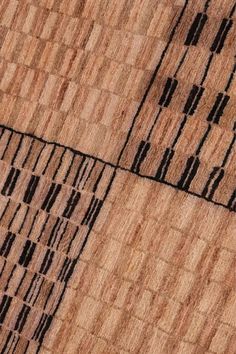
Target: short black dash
{"x":218,"y":108}
{"x":44,"y":324}
{"x":47,"y":261}
{"x":67,"y":269}
{"x":14,"y":216}
{"x":59,"y":164}
{"x":49,"y":159}
{"x":95,"y":213}
{"x":96,"y":184}
{"x":203,"y":139}
{"x":51,"y":197}
{"x":221,"y":35}
{"x":140,"y":156}
{"x":69,"y":168}
{"x":72,"y":239}
{"x":71,"y":204}
{"x":39,"y":155}
{"x":227,"y":87}
{"x":31,"y":189}
{"x":7,"y":244}
{"x":17,"y":150}
{"x":196,"y":29}
{"x":213,"y":182}
{"x":31,"y":288}
{"x":27,"y":253}
{"x":62,"y":235}
{"x":229,"y":150}
{"x":78,"y":171}
{"x":189,"y":173}
{"x":193,"y":99}
{"x":53,"y":235}
{"x":164,"y":165}
{"x":10,"y":182}
{"x":7,"y":145}
{"x":22,"y":318}
{"x":89,"y":174}
{"x":168,"y":92}
{"x":9,"y":338}
{"x":4,"y":307}
{"x":232,"y":201}
{"x":92,"y":212}
{"x":29,"y":152}
{"x":10,"y":276}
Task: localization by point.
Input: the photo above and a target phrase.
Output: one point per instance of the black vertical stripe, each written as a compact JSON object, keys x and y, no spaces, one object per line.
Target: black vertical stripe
{"x":96,"y":184}
{"x":218,"y":108}
{"x":31,"y":189}
{"x":47,"y":261}
{"x":49,"y":159}
{"x":232,"y":201}
{"x":53,"y":235}
{"x":168,"y":92}
{"x":42,"y":327}
{"x":7,"y":244}
{"x":4,"y":307}
{"x":51,"y":197}
{"x":189,"y":173}
{"x":193,"y":99}
{"x":92,"y":212}
{"x":22,"y":317}
{"x":196,"y":29}
{"x":17,"y":150}
{"x":165,"y":162}
{"x":30,"y":288}
{"x":71,"y":203}
{"x":78,"y":171}
{"x":10,"y":181}
{"x":140,"y":156}
{"x":213,"y":182}
{"x":221,"y":35}
{"x":27,"y":253}
{"x":67,"y":269}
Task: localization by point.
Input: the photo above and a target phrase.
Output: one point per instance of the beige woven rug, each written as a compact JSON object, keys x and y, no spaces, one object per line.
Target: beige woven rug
{"x":118,"y":176}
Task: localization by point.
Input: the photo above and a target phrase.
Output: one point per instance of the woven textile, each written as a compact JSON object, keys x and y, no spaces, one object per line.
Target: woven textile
{"x":118,"y":176}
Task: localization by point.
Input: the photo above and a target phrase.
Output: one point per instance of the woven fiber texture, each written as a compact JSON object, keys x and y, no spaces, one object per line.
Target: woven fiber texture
{"x":118,"y":176}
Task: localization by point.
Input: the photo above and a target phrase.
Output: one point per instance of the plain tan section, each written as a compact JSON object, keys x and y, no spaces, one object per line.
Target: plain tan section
{"x":157,"y":276}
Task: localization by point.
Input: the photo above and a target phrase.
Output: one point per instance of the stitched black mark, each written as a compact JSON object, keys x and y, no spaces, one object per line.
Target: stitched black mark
{"x":221,"y":35}
{"x":196,"y":29}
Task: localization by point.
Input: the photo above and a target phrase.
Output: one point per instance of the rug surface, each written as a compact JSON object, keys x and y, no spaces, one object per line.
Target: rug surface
{"x":118,"y":176}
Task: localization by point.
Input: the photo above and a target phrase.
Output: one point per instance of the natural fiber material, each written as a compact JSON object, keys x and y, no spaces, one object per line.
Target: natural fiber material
{"x":117,"y":187}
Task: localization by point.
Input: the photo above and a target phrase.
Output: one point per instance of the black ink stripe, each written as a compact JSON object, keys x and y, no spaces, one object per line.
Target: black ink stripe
{"x":4,"y":307}
{"x":71,"y":204}
{"x":193,"y":100}
{"x":165,"y":162}
{"x":31,"y":189}
{"x":7,"y":244}
{"x":218,"y":108}
{"x":51,"y":197}
{"x":11,"y":181}
{"x":168,"y":92}
{"x":196,"y":29}
{"x":221,"y":35}
{"x":140,"y":156}
{"x":27,"y":253}
{"x":47,"y":261}
{"x":22,"y":318}
{"x":189,"y":173}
